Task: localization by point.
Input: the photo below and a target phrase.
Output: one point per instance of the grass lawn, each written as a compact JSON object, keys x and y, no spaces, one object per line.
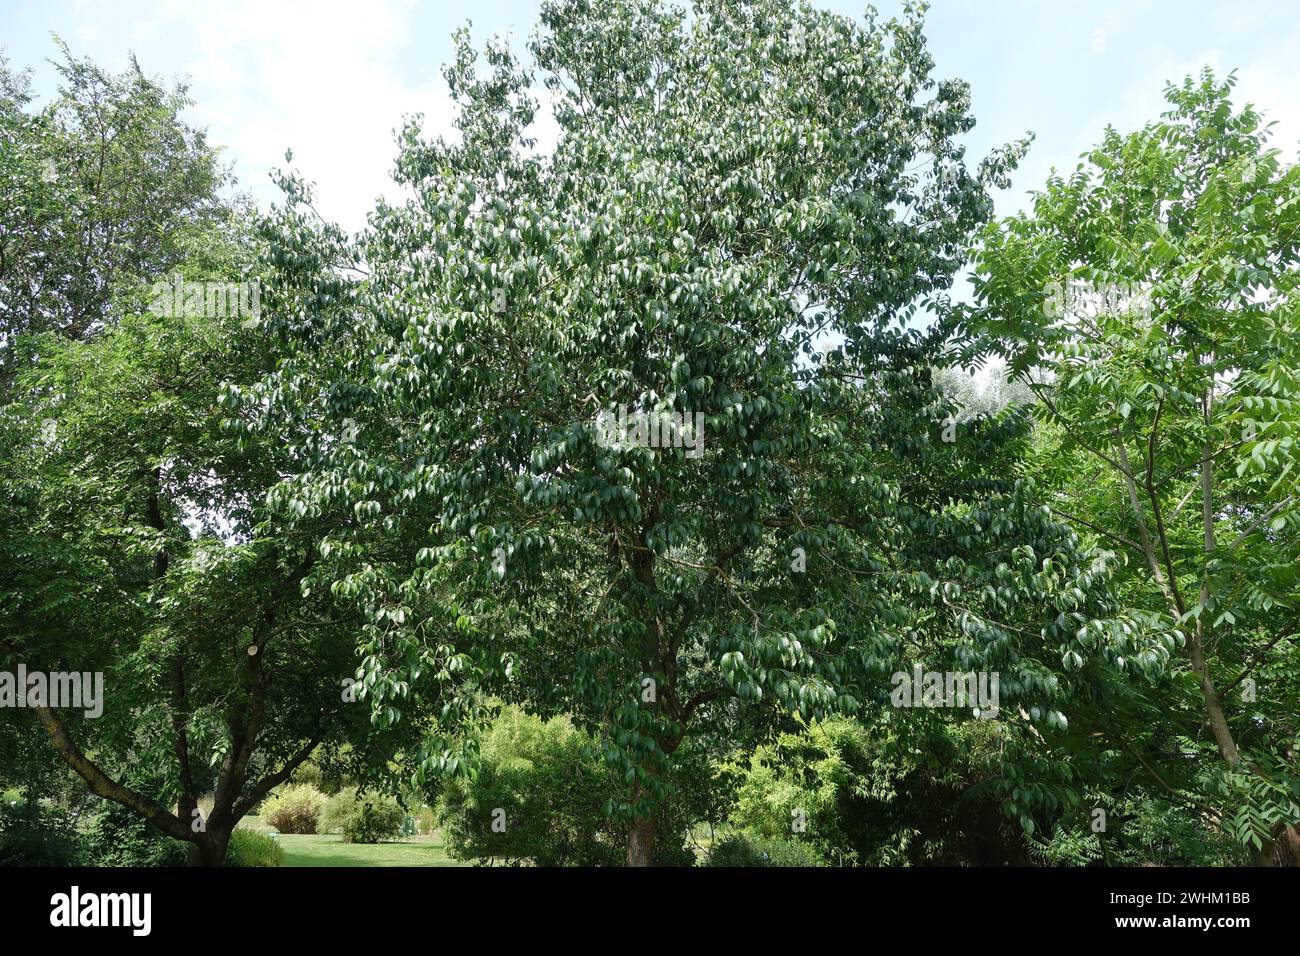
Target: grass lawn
{"x":321,"y":849}
{"x":330,"y":850}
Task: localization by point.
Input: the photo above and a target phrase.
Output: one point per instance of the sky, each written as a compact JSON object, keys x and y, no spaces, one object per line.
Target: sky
{"x":332,"y":80}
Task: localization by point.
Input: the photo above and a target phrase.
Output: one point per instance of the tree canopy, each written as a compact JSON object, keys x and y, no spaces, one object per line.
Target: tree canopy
{"x":639,"y":481}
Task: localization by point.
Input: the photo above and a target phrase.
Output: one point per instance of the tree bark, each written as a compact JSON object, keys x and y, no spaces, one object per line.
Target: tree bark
{"x":1218,"y":721}
{"x":1196,"y":641}
{"x":103,"y":786}
{"x":641,"y":834}
{"x":641,"y":842}
{"x":210,"y":850}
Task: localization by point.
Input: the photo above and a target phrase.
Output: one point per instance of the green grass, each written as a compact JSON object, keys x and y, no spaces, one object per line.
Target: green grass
{"x":330,"y":850}
{"x":320,"y":849}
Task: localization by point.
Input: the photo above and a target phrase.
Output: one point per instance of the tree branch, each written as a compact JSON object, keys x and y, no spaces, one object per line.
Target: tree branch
{"x":104,"y":786}
{"x":271,"y":781}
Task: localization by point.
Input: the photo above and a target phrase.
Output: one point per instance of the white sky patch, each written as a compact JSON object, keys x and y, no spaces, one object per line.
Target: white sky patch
{"x":333,"y":80}
{"x":268,"y":77}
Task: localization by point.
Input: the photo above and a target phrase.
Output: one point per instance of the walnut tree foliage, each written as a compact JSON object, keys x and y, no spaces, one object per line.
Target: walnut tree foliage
{"x":1168,"y":433}
{"x":745,"y":204}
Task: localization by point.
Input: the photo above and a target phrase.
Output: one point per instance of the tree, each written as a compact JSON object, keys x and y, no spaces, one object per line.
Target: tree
{"x":104,"y":187}
{"x":739,"y":216}
{"x":1156,"y":286}
{"x":135,"y":545}
{"x":538,"y":797}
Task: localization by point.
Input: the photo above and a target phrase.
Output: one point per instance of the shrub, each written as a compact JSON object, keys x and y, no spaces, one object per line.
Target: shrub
{"x":308,"y":773}
{"x":555,"y":791}
{"x":251,"y":848}
{"x":36,"y":834}
{"x":552,"y":792}
{"x":294,"y":809}
{"x":362,"y":819}
{"x":898,"y":790}
{"x":751,"y":850}
{"x":1142,"y":829}
{"x":324,"y":772}
{"x":117,"y":837}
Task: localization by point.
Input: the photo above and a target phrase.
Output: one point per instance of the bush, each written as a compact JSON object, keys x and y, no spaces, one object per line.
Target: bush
{"x":251,"y":848}
{"x":551,"y":789}
{"x":294,"y":809}
{"x":556,"y":792}
{"x":362,"y":819}
{"x":900,"y":790}
{"x":117,"y":837}
{"x":322,"y":772}
{"x":751,"y":850}
{"x":35,"y":834}
{"x":1142,"y":829}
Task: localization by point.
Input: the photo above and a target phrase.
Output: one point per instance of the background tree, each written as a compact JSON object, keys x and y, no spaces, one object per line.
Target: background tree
{"x":1169,"y":431}
{"x":135,"y":542}
{"x":104,"y":186}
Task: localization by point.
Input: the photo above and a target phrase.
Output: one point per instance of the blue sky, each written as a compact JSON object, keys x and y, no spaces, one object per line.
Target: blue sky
{"x":332,"y":79}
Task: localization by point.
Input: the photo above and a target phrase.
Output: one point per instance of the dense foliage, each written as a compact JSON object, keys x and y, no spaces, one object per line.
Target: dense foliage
{"x":1168,"y":428}
{"x":541,"y":793}
{"x":362,"y":817}
{"x":105,"y":186}
{"x":723,"y":196}
{"x":294,"y":808}
{"x":134,"y":545}
{"x":606,"y":498}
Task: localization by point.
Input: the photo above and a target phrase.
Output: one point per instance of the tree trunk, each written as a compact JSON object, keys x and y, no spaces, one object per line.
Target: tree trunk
{"x":1287,"y":846}
{"x":641,"y":842}
{"x":210,"y":850}
{"x":1282,"y":848}
{"x":1196,"y":641}
{"x":1213,"y":707}
{"x":641,"y":834}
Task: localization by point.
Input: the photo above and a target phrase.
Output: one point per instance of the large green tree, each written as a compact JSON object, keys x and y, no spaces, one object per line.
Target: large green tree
{"x":741,"y":212}
{"x":134,"y":539}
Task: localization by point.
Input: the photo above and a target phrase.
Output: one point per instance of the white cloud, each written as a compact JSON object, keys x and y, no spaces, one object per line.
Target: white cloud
{"x":1270,"y":83}
{"x":320,"y":78}
{"x":1274,"y":90}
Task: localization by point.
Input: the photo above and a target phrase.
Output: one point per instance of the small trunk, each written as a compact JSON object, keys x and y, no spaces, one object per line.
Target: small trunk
{"x":1281,"y":849}
{"x":210,"y":851}
{"x":1218,"y":721}
{"x":641,"y":842}
{"x":1287,"y":845}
